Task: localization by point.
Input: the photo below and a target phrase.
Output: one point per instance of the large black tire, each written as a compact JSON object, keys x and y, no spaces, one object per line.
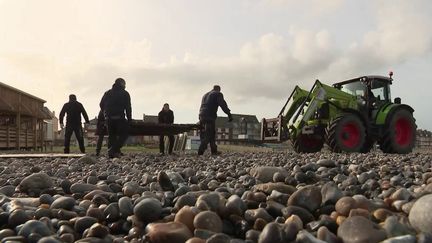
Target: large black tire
{"x":368,"y":145}
{"x":399,"y":133}
{"x":308,"y":143}
{"x":346,"y":133}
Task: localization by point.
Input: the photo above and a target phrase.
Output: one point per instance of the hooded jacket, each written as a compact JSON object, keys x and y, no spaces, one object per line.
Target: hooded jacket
{"x":115,"y":102}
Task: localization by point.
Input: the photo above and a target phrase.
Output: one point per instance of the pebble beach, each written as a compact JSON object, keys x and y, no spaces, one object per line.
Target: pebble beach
{"x":264,"y":197}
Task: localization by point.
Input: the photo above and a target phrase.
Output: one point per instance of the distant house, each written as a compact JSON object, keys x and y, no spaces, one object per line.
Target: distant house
{"x":423,"y":138}
{"x":243,"y":129}
{"x":51,"y":127}
{"x":22,"y":118}
{"x":151,"y":119}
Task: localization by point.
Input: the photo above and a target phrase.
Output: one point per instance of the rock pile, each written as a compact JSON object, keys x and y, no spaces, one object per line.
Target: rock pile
{"x":233,"y":198}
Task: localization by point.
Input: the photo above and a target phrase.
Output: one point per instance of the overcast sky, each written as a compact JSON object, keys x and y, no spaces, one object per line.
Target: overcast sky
{"x":174,"y":51}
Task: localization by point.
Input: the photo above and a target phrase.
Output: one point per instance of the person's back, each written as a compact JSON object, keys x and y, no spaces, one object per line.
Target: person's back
{"x":115,"y":102}
{"x":207,"y":116}
{"x":210,"y":103}
{"x":73,"y":110}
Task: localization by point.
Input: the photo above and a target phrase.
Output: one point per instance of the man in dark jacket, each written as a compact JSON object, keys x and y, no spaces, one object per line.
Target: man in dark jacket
{"x":207,"y":116}
{"x":73,"y":109}
{"x":166,"y":116}
{"x":115,"y":103}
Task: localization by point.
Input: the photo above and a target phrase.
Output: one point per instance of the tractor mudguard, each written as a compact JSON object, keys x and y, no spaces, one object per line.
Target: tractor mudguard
{"x":387,"y":111}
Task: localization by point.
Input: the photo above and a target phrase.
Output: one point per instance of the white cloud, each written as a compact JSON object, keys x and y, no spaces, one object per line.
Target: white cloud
{"x":84,"y":59}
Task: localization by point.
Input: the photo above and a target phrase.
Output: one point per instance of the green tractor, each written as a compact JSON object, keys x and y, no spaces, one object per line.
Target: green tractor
{"x":350,"y":116}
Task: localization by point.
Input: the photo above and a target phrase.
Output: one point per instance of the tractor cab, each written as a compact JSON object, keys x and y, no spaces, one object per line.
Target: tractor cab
{"x":372,"y":92}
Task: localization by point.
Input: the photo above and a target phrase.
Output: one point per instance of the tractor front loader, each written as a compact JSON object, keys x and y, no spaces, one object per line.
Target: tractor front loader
{"x":350,"y":116}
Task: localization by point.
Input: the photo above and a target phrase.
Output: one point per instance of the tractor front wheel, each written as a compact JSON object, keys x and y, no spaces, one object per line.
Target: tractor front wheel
{"x":399,"y":133}
{"x":346,"y":133}
{"x":308,"y":143}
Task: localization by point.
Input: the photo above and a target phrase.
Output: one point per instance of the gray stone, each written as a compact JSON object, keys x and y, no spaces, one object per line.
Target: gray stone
{"x":212,"y":199}
{"x":401,"y":194}
{"x":164,"y":181}
{"x":305,"y":237}
{"x":219,"y":238}
{"x":235,"y":205}
{"x":308,"y":197}
{"x":401,"y":239}
{"x":84,"y":223}
{"x":64,"y":202}
{"x":17,"y":217}
{"x":8,"y":190}
{"x":148,"y":210}
{"x":394,"y":228}
{"x":272,"y":233}
{"x":49,"y":239}
{"x":34,"y":226}
{"x":304,"y":214}
{"x":125,"y":206}
{"x":266,"y":173}
{"x":82,"y":187}
{"x":267,"y":188}
{"x":358,"y":229}
{"x":326,"y":163}
{"x":208,"y":220}
{"x":87,"y":159}
{"x":35,"y":183}
{"x":330,"y":193}
{"x":419,"y":216}
{"x":253,"y":214}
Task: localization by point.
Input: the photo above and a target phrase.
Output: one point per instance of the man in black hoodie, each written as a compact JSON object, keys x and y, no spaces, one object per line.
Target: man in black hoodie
{"x":73,"y":109}
{"x":207,"y":116}
{"x":116,"y":104}
{"x":166,"y":116}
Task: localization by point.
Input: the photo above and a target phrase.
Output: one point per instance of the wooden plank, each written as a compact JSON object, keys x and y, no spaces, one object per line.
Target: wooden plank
{"x":54,"y":155}
{"x":8,"y":138}
{"x":18,"y":130}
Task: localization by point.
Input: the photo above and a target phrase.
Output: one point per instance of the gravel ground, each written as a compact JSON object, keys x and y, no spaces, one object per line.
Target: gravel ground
{"x":235,"y":197}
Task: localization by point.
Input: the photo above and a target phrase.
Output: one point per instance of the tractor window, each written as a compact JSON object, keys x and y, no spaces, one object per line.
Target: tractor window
{"x":380,"y":90}
{"x":354,"y":88}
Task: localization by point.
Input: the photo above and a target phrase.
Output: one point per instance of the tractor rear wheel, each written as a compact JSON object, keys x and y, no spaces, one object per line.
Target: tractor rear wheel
{"x":368,"y":145}
{"x":308,"y":143}
{"x":399,"y":133}
{"x":346,"y":133}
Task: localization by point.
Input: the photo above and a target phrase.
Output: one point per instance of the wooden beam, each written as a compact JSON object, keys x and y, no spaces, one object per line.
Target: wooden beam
{"x":41,"y":155}
{"x":18,"y":131}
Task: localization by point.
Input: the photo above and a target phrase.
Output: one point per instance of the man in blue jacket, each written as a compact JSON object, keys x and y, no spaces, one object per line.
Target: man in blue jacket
{"x":210,"y":103}
{"x":116,"y":104}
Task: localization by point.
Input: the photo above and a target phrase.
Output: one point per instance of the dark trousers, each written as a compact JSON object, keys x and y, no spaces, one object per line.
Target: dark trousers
{"x":101,"y":132}
{"x":208,"y":135}
{"x":117,"y":134}
{"x":77,"y":129}
{"x":162,"y":144}
{"x":99,"y":143}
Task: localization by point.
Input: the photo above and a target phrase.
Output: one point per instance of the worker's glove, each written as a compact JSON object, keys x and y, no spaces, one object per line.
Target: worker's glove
{"x":230,"y":119}
{"x":61,"y":125}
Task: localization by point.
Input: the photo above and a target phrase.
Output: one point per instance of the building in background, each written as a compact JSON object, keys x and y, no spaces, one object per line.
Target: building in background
{"x":151,"y":139}
{"x":22,"y":118}
{"x":423,"y":139}
{"x":51,"y":127}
